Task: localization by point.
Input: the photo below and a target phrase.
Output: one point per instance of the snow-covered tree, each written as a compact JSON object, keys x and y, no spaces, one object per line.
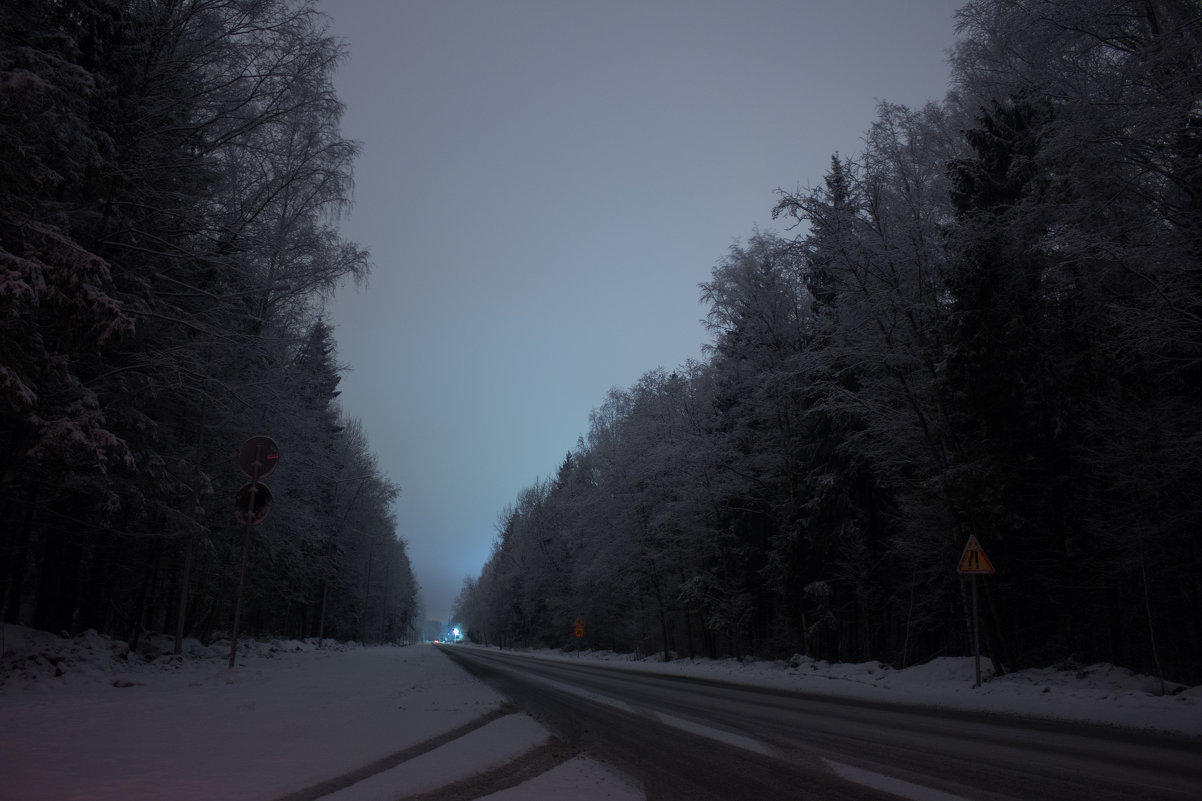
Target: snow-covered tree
{"x":171,"y":183}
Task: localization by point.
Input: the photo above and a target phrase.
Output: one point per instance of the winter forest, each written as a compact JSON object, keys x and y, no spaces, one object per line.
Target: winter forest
{"x":988,"y":321}
{"x":171,"y":178}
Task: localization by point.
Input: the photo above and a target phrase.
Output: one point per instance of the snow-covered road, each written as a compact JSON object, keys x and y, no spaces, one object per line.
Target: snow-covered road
{"x":80,"y":720}
{"x":686,"y":739}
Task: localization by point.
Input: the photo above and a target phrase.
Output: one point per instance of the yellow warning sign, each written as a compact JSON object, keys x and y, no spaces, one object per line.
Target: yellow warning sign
{"x":974,"y":560}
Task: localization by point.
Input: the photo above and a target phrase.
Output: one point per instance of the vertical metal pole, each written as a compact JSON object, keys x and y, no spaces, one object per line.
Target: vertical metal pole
{"x":976,"y":631}
{"x":250,"y":518}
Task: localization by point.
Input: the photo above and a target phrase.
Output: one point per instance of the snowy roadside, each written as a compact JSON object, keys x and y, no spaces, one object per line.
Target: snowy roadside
{"x":83,"y":718}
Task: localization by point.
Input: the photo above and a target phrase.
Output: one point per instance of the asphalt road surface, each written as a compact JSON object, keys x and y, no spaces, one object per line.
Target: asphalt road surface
{"x":695,"y":739}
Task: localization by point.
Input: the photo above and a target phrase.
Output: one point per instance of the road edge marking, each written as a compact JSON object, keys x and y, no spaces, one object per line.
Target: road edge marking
{"x":888,"y":784}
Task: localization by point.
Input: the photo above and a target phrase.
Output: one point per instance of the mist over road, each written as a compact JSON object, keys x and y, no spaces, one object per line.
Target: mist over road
{"x":687,"y":738}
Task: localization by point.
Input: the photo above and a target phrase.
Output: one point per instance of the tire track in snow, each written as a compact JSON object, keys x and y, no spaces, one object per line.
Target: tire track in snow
{"x":529,"y":766}
{"x":330,"y":786}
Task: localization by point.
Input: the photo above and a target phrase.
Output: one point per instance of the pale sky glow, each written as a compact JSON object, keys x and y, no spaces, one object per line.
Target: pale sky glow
{"x":543,"y":185}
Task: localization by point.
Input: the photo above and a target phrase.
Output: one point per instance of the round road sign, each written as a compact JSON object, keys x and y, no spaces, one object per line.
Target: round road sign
{"x":258,"y":456}
{"x":252,"y":506}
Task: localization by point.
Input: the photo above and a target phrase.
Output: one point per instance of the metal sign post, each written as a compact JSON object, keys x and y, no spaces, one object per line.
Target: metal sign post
{"x":974,"y":562}
{"x":257,"y":457}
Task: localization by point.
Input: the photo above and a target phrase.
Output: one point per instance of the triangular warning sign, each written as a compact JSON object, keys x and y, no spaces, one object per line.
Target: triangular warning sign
{"x":974,"y":560}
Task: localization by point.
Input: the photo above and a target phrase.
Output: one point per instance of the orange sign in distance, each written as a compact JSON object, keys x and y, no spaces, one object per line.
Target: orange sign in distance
{"x":973,"y":559}
{"x":578,"y":631}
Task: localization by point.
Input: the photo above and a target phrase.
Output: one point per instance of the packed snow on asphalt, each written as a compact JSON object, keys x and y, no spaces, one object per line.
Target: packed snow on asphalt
{"x":87,"y":718}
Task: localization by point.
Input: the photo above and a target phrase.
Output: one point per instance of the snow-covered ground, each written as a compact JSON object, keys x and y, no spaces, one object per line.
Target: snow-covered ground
{"x":84,"y":718}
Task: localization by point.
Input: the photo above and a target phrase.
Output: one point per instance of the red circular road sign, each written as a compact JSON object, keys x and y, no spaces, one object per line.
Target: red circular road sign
{"x":248,"y":509}
{"x":258,"y":456}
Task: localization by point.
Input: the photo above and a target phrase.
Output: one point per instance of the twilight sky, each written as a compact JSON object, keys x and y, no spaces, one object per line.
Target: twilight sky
{"x":543,"y":186}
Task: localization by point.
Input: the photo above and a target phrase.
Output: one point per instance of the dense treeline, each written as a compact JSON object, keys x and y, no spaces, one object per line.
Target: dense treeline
{"x":171,"y":174}
{"x":987,"y":323}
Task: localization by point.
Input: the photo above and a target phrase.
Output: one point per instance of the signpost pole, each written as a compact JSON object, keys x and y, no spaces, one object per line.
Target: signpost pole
{"x":973,"y":561}
{"x":257,"y":457}
{"x":250,"y":519}
{"x":578,"y":629}
{"x":976,"y":630}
